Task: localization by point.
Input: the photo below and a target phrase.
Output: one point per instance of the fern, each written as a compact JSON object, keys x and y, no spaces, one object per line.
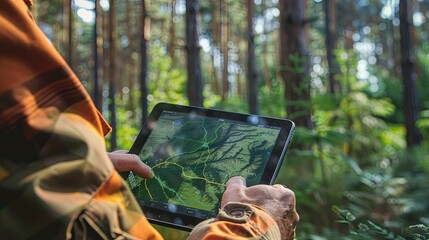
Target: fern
{"x":366,"y":229}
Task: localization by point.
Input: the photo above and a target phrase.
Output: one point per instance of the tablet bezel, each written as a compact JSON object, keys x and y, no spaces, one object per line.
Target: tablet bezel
{"x":157,"y":216}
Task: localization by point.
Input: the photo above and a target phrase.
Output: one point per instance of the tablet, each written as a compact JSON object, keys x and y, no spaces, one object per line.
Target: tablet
{"x":194,"y":151}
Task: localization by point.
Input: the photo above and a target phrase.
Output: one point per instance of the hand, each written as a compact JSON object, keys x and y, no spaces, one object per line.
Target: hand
{"x":277,"y":200}
{"x":123,"y":161}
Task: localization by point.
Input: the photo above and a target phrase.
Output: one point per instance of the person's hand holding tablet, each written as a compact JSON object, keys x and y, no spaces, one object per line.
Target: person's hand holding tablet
{"x":277,"y":200}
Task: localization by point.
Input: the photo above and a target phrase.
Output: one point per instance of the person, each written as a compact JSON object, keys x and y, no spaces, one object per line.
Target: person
{"x":56,"y":179}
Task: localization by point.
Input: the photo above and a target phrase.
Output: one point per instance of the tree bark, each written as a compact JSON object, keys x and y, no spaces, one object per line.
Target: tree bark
{"x":144,"y":37}
{"x":216,"y":43}
{"x":294,"y":61}
{"x":265,"y":54}
{"x":68,"y":30}
{"x":112,"y":73}
{"x":330,"y":43}
{"x":195,"y":81}
{"x":98,"y":62}
{"x":348,"y":29}
{"x":252,"y":81}
{"x":224,"y":46}
{"x":172,"y":35}
{"x":129,"y":61}
{"x":411,"y":105}
{"x":239,"y":84}
{"x":267,"y":80}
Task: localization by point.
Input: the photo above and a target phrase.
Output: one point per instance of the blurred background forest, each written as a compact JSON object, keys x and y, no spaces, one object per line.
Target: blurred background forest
{"x":352,"y":74}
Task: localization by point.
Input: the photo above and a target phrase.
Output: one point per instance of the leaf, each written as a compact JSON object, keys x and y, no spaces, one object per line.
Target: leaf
{"x":352,"y":163}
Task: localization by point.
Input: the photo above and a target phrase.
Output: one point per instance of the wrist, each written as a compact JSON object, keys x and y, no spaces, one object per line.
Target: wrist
{"x":238,"y":220}
{"x":244,"y":213}
{"x":251,"y":215}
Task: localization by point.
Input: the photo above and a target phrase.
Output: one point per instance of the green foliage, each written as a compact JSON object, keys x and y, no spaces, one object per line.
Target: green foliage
{"x":351,"y":159}
{"x":271,"y":101}
{"x":370,"y":230}
{"x":233,"y":104}
{"x":168,"y":84}
{"x":165,"y":84}
{"x":364,"y":230}
{"x":423,"y":75}
{"x":127,"y":130}
{"x":390,"y":201}
{"x":423,"y":124}
{"x":423,"y":86}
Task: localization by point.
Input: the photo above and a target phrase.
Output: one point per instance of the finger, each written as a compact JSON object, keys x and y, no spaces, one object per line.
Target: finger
{"x":288,"y":196}
{"x":235,"y":188}
{"x":141,"y":169}
{"x":131,"y":162}
{"x":236,"y":181}
{"x":119,"y":152}
{"x":280,"y":186}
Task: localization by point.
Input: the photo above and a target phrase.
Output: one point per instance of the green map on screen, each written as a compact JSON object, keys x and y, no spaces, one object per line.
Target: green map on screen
{"x":193,"y":156}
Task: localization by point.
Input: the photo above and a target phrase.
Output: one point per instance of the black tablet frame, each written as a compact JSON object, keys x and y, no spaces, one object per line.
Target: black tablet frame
{"x":287,"y":127}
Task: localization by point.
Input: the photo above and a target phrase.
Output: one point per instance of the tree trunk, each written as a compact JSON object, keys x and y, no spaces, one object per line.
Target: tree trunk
{"x":112,"y":73}
{"x":265,"y":54}
{"x":348,"y":25}
{"x":144,"y":37}
{"x":411,"y":106}
{"x":68,"y":30}
{"x":195,"y":81}
{"x":396,"y":41}
{"x":214,"y":72}
{"x":129,"y":61}
{"x":98,"y":62}
{"x":267,"y":80}
{"x":330,"y":42}
{"x":252,"y":81}
{"x":294,"y":61}
{"x":239,"y":84}
{"x":216,"y":43}
{"x":172,"y":35}
{"x":224,"y":46}
{"x":123,"y":56}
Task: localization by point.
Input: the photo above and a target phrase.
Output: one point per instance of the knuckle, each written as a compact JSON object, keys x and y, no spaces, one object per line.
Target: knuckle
{"x":135,"y":158}
{"x":289,"y":193}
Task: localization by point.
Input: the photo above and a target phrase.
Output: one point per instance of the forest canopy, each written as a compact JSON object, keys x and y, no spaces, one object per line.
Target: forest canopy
{"x":353,"y":75}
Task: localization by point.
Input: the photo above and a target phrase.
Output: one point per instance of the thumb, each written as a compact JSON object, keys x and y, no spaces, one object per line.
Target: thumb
{"x":235,"y":190}
{"x":236,"y":182}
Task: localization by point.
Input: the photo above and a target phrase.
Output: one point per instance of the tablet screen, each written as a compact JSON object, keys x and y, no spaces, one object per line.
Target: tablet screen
{"x":193,"y":154}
